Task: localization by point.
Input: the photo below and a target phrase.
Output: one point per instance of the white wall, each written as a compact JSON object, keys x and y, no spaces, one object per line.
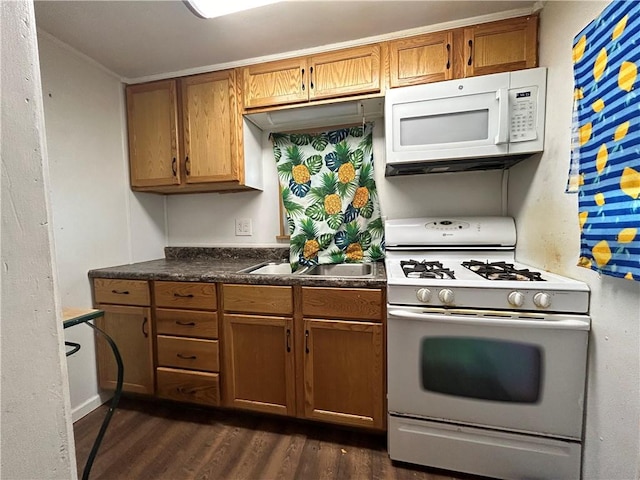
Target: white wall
{"x":208,"y":219}
{"x":36,"y":440}
{"x":548,"y":237}
{"x":98,"y":221}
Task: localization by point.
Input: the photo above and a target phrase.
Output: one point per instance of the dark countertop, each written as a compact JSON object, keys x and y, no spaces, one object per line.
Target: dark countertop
{"x":222,"y":265}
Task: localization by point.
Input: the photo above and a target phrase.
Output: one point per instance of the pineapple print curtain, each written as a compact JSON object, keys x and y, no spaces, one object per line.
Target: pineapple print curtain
{"x":329,"y":196}
{"x":606,"y":56}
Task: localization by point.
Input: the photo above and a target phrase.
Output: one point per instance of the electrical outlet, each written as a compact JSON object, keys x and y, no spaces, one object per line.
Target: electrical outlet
{"x":243,"y":227}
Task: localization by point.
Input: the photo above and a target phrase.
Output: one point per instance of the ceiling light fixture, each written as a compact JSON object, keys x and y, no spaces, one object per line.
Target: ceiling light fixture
{"x":216,"y":8}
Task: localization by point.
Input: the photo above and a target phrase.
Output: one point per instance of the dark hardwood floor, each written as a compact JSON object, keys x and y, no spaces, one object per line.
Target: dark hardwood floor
{"x":154,"y":440}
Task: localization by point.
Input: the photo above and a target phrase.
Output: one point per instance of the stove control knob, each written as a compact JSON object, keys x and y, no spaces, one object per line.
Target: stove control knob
{"x":424,"y":295}
{"x":516,"y":299}
{"x":542,"y":300}
{"x":446,"y":296}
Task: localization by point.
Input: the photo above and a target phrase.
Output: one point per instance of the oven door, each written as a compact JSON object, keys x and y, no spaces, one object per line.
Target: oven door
{"x":506,"y":370}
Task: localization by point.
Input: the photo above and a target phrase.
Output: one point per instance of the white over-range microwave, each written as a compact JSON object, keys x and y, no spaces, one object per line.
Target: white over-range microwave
{"x":476,"y":123}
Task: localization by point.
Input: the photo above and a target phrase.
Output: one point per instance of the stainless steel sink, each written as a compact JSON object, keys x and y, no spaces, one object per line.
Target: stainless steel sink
{"x":269,"y":268}
{"x":343,"y":270}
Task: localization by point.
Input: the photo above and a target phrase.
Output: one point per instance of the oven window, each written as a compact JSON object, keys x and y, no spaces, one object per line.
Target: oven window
{"x":480,"y":368}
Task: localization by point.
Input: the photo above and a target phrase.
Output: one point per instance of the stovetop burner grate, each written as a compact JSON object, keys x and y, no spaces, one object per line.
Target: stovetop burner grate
{"x":502,"y":271}
{"x":425,"y":269}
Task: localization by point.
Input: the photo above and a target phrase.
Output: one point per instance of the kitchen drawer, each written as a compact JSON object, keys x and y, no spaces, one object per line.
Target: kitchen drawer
{"x":201,"y":296}
{"x":192,"y":387}
{"x":258,"y":299}
{"x":191,"y":353}
{"x":121,"y":292}
{"x":187,"y":323}
{"x":342,"y":303}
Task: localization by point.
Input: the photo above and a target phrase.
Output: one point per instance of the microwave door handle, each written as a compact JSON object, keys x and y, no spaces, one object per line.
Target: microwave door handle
{"x":482,"y":321}
{"x":502,"y":95}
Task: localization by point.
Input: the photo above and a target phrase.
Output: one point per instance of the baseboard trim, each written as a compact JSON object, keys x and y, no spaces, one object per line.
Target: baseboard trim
{"x":89,"y":406}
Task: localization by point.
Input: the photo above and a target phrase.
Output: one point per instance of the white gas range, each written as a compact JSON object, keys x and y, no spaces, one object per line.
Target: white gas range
{"x":486,"y":356}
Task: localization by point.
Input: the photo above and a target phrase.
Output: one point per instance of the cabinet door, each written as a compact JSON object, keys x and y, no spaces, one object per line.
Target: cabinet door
{"x":421,"y":59}
{"x":131,"y":330}
{"x":276,"y":83}
{"x":259,"y":361}
{"x":343,"y":372}
{"x":501,"y":46}
{"x":152,"y":115}
{"x":347,"y":72}
{"x":210,"y":123}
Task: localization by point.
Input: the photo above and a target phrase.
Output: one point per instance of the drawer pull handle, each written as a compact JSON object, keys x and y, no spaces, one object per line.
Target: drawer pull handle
{"x":303,"y":79}
{"x":470,"y":53}
{"x":448,"y":56}
{"x":144,"y":332}
{"x":174,"y":167}
{"x":311,"y":78}
{"x":288,"y":339}
{"x":120,"y":292}
{"x":186,"y":357}
{"x":186,"y":391}
{"x":187,"y":166}
{"x":306,"y":341}
{"x":186,"y":324}
{"x":179,"y":295}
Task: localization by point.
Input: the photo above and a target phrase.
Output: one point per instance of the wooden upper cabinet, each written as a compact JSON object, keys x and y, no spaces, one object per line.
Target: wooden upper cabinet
{"x":353,"y":71}
{"x":211,"y":126}
{"x":501,"y":46}
{"x":347,"y":72}
{"x":421,"y":59}
{"x":276,"y":83}
{"x":152,"y":115}
{"x":186,"y":135}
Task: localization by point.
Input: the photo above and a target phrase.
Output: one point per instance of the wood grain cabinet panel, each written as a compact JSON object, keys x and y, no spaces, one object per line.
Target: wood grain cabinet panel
{"x":352,"y":71}
{"x":186,"y":323}
{"x":152,"y":115}
{"x":189,"y":353}
{"x":265,"y":299}
{"x":342,"y":303}
{"x":191,"y":142}
{"x":191,"y":387}
{"x":210,"y":127}
{"x":196,"y":295}
{"x":121,"y":292}
{"x":276,"y":83}
{"x":347,"y":72}
{"x":343,"y":372}
{"x":260,"y":363}
{"x":421,"y":59}
{"x":501,"y":46}
{"x":131,"y":330}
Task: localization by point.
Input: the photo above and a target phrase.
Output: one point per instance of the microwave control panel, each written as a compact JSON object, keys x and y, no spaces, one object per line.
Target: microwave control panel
{"x":523,"y":115}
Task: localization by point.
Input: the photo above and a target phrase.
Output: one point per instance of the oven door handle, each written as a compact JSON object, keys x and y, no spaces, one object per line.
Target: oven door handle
{"x":480,"y":320}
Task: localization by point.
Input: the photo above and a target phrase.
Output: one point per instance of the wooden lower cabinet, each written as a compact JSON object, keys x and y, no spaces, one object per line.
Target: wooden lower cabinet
{"x":187,"y":347}
{"x":260,"y":363}
{"x":186,"y":386}
{"x":131,"y":330}
{"x":322,"y":359}
{"x":344,"y":372}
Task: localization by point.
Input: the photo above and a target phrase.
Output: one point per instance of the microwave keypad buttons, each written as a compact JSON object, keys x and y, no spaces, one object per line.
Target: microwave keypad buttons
{"x":523,"y":114}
